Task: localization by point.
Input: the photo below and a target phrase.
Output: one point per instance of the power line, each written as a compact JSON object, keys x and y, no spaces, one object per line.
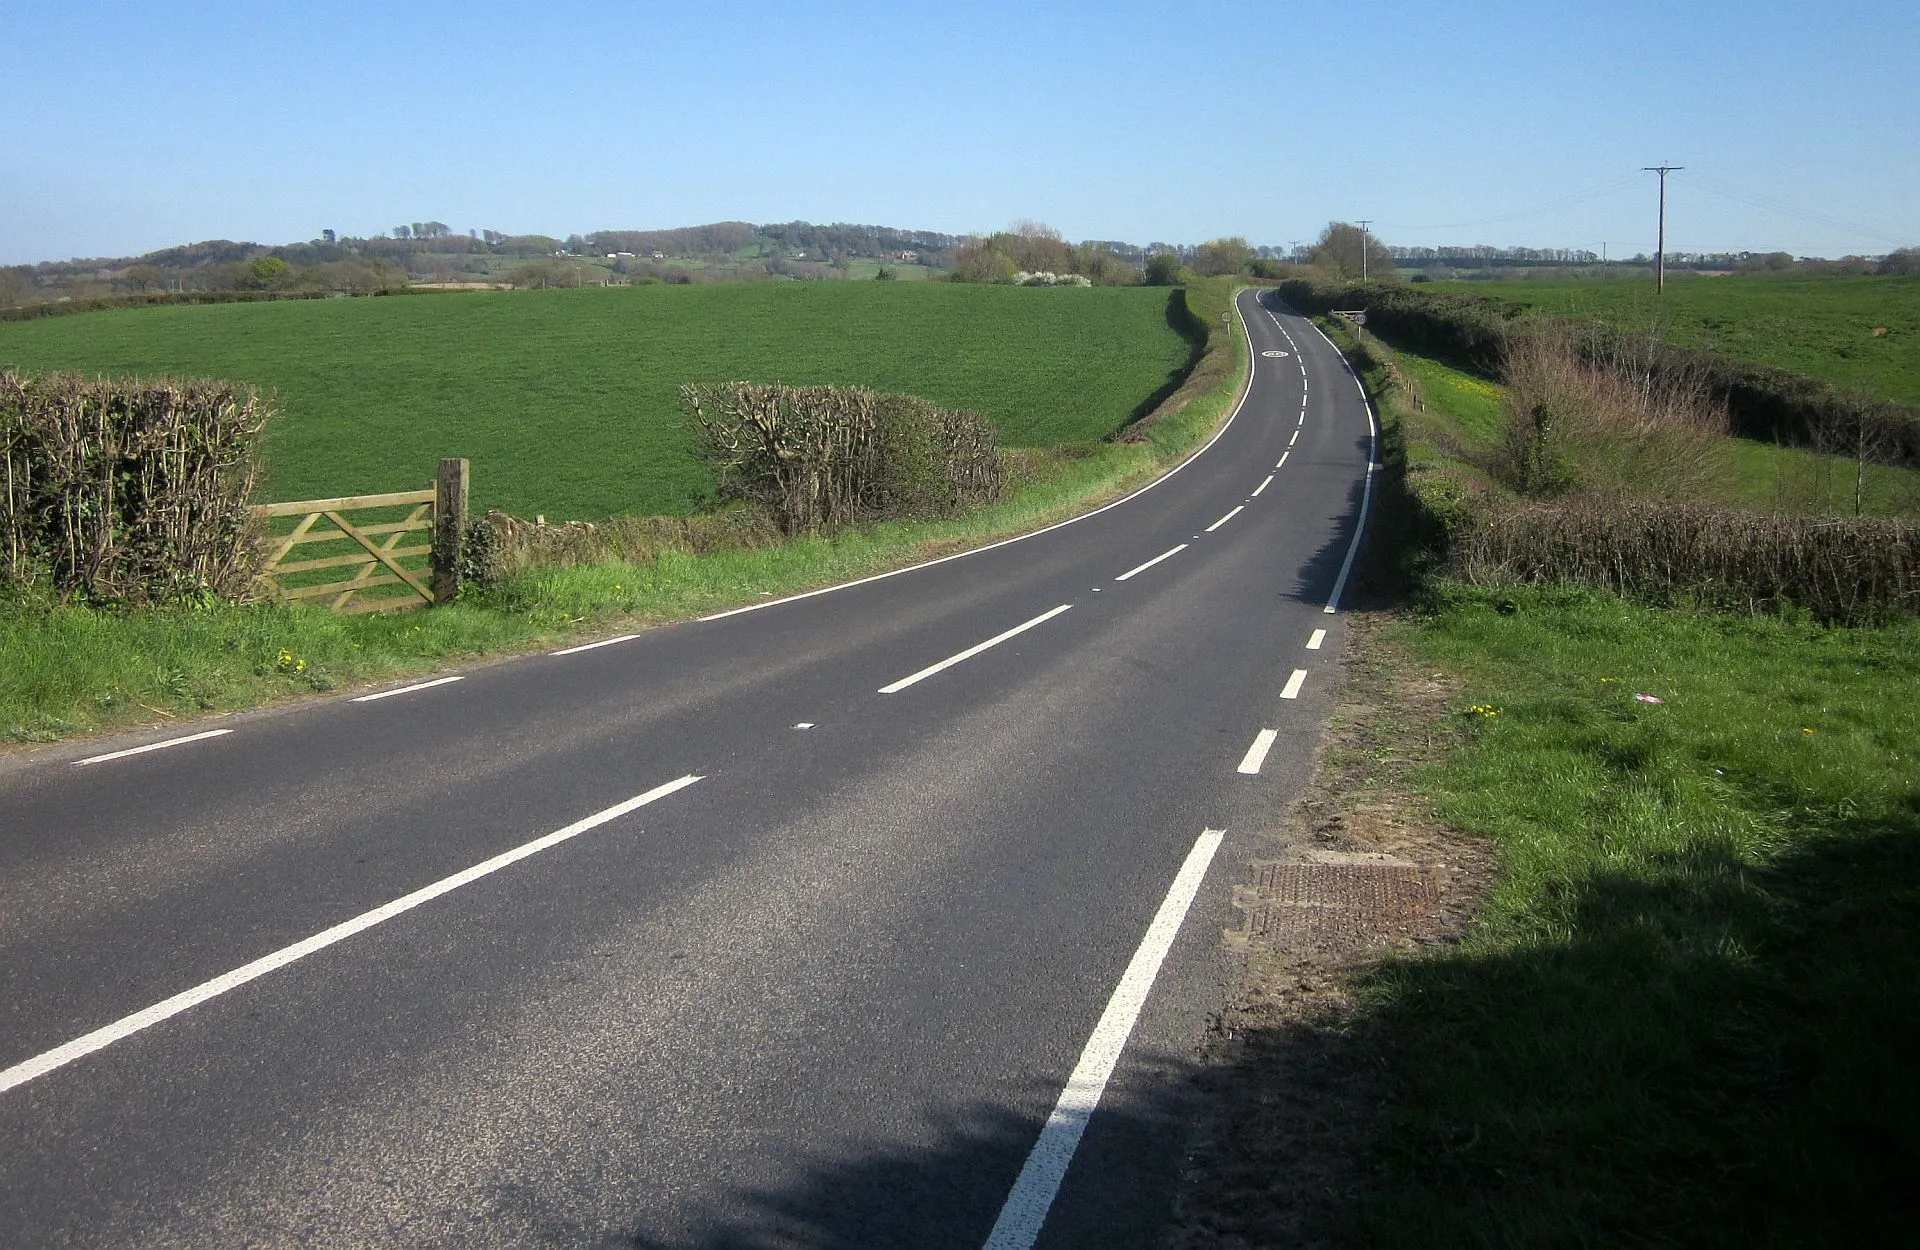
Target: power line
{"x":1754,"y":199}
{"x":1565,"y":201}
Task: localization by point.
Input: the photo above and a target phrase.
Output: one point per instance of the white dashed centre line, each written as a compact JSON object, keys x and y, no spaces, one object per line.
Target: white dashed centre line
{"x":1294,"y":439}
{"x":1141,"y":568}
{"x":589,"y":646}
{"x":151,"y":746}
{"x":1319,"y":636}
{"x":419,"y":685}
{"x":127,"y":1026}
{"x":1264,"y":485}
{"x":1292,"y":690}
{"x":1223,"y":520}
{"x":972,"y":651}
{"x":1283,"y":460}
{"x":1257,"y":753}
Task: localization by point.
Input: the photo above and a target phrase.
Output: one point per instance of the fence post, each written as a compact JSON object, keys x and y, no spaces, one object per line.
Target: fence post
{"x":449,"y":528}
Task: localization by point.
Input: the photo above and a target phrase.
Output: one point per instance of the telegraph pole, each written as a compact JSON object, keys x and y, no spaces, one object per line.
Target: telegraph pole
{"x":1364,"y":223}
{"x":1660,"y":281}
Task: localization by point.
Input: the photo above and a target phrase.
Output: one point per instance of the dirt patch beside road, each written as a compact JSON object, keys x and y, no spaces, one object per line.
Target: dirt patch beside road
{"x":1357,"y":870}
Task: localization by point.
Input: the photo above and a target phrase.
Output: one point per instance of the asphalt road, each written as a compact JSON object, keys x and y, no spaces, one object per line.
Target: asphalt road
{"x":824,"y":986}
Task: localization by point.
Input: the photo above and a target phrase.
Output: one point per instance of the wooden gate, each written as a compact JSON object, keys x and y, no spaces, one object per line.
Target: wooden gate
{"x":343,"y":557}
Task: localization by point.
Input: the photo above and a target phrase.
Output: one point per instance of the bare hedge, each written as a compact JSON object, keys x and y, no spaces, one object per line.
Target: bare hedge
{"x":819,"y":457}
{"x":126,"y":490}
{"x":1851,"y":570}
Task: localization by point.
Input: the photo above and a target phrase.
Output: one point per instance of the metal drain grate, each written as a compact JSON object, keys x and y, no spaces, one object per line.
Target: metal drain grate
{"x":1336,"y":900}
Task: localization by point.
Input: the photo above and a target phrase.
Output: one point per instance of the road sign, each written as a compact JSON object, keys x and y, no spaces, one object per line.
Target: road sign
{"x":1357,"y":315}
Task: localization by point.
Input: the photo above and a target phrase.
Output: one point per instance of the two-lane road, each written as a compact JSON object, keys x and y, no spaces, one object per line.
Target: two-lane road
{"x":829,"y":922}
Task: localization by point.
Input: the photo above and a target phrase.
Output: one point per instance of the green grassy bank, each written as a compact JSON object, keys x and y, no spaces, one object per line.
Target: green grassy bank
{"x":566,"y":401}
{"x":1685,"y":1013}
{"x":1856,"y":331}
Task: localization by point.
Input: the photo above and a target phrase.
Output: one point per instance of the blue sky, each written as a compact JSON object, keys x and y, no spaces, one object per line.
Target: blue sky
{"x":127,"y":127}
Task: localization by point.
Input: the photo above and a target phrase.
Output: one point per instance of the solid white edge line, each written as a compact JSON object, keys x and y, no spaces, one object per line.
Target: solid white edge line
{"x":1292,"y":689}
{"x":1238,"y":508}
{"x":1263,"y":485}
{"x":972,"y":651}
{"x":1031,"y":1197}
{"x":1141,"y":568}
{"x":1257,"y":753}
{"x":151,"y":746}
{"x":1366,"y":493}
{"x":421,"y":685}
{"x":126,"y":1026}
{"x":1252,"y":366}
{"x":588,"y":646}
{"x":1319,"y":636}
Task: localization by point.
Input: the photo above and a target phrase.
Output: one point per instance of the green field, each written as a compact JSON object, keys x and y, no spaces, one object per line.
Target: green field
{"x":1821,"y":325}
{"x":565,"y":401}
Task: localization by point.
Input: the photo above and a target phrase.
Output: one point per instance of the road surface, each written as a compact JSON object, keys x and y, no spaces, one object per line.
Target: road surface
{"x":883,"y":916}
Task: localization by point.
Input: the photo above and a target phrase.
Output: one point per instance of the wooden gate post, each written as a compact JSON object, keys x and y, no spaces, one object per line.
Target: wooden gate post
{"x":449,"y":528}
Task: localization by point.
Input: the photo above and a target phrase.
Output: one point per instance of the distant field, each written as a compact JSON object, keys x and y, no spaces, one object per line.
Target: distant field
{"x":1821,"y":325}
{"x":565,"y":401}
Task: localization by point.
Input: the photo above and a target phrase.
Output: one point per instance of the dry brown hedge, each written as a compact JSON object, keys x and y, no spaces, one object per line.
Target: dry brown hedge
{"x":126,"y":490}
{"x":1849,"y":570}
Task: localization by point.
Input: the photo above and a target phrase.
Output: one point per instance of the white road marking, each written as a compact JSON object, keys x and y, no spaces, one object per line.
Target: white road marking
{"x":1283,"y":460}
{"x":972,"y":651}
{"x":1292,"y":689}
{"x":1294,"y":439}
{"x":1223,"y":520}
{"x":1265,"y":484}
{"x":805,"y":724}
{"x":1032,"y":1195}
{"x":588,"y":646}
{"x":151,"y":746}
{"x":126,"y":1026}
{"x":1366,"y":492}
{"x":420,"y":685}
{"x":1205,"y":447}
{"x":1141,"y":568}
{"x":1319,"y":636}
{"x":1257,"y":753}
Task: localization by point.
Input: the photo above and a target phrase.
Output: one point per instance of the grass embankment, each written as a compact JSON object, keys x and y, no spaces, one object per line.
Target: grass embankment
{"x":566,"y":401}
{"x":73,"y":669}
{"x":1685,"y":1013}
{"x":1462,"y":422}
{"x":1822,"y":325}
{"x":1685,"y":1009}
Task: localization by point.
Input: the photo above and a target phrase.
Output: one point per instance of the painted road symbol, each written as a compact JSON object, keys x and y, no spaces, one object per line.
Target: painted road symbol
{"x":1273,"y":353}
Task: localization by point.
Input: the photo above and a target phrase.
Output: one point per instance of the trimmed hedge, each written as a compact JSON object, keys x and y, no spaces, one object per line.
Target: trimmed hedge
{"x":822,"y":457}
{"x":126,"y":490}
{"x":1851,"y":570}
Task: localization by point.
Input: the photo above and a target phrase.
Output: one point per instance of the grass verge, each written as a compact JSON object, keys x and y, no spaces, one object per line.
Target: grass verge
{"x":1681,"y":1010}
{"x":1684,"y":1014}
{"x":69,"y":669}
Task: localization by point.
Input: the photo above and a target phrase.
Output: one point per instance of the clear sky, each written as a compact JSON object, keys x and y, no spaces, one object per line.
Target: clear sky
{"x":131,"y":126}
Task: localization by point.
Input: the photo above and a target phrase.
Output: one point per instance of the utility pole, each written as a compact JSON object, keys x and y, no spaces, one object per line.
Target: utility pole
{"x":1660,"y":281}
{"x":1364,"y":223}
